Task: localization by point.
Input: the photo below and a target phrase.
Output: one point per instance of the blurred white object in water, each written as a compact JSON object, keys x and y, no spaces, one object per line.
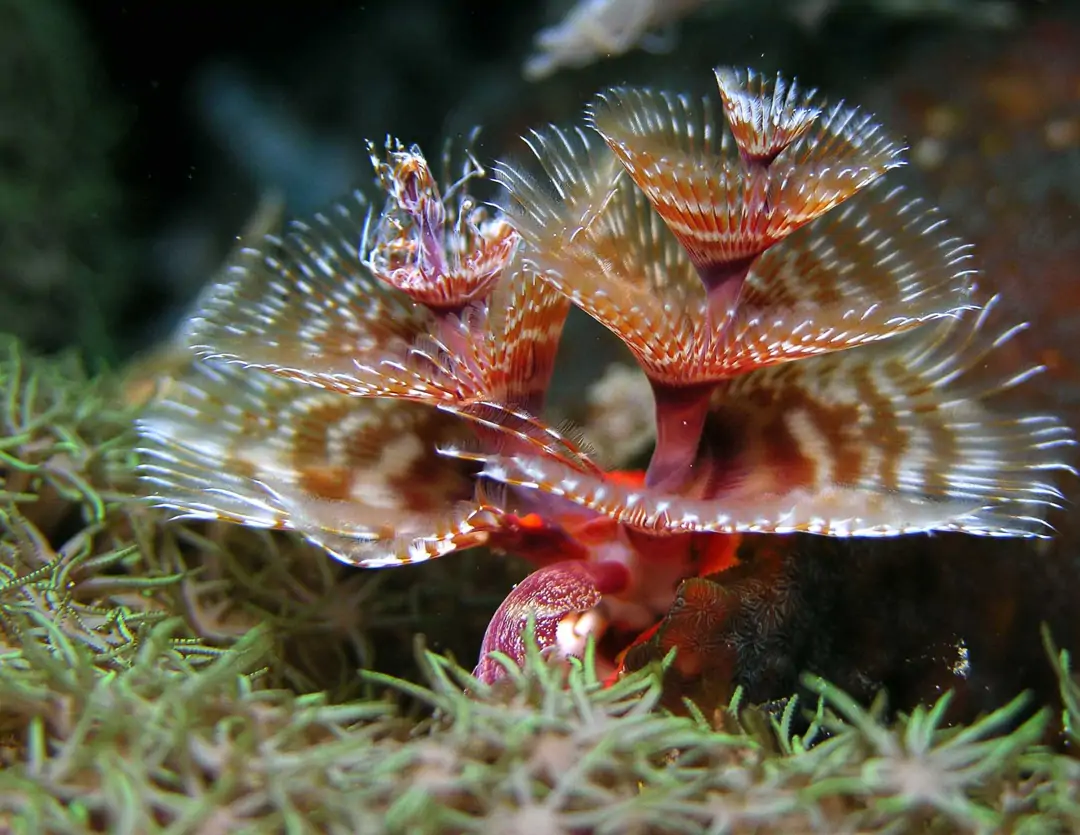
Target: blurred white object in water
{"x":596,"y":28}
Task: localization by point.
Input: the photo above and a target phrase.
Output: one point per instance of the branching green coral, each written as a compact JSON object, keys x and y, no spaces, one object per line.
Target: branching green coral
{"x":178,"y":679}
{"x":84,"y":562}
{"x":1070,"y":689}
{"x":164,"y":747}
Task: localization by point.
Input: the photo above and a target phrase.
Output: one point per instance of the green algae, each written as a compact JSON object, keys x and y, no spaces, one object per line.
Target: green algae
{"x":187,"y":677}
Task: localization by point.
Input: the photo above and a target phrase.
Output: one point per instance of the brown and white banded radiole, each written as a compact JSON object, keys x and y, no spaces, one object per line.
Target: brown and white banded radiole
{"x":815,"y":340}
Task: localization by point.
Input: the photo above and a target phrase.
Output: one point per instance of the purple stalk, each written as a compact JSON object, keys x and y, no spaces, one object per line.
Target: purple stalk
{"x":680,"y":419}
